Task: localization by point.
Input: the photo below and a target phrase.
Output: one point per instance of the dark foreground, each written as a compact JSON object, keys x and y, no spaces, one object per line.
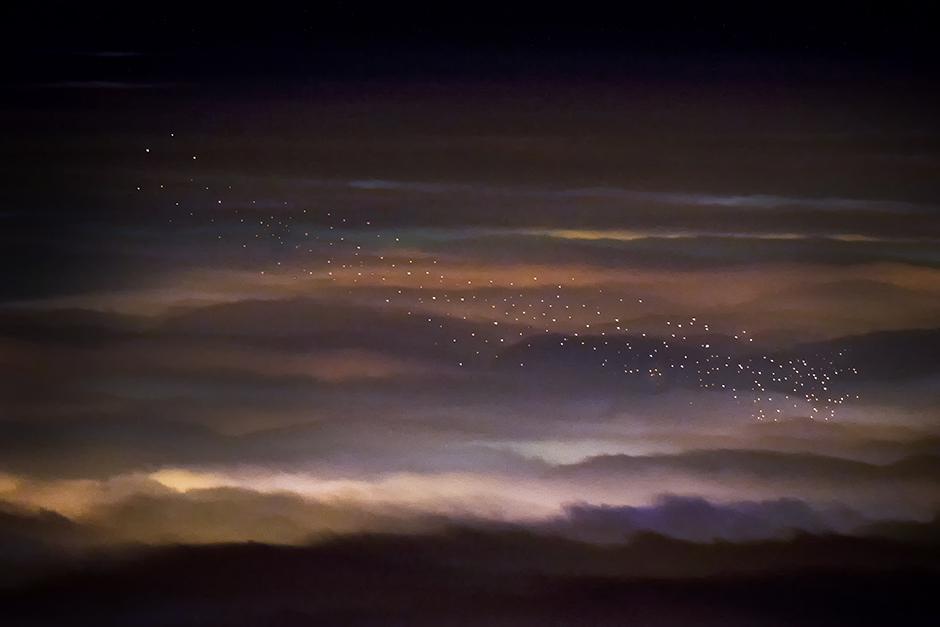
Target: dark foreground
{"x":492,"y":578}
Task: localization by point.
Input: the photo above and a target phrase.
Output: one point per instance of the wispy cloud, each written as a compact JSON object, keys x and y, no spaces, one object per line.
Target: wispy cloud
{"x":694,"y":199}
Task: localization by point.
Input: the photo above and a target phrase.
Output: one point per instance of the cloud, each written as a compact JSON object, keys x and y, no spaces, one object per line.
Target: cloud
{"x":290,"y":384}
{"x":236,"y":515}
{"x":769,"y":466}
{"x":220,"y":514}
{"x":686,"y":249}
{"x":102,"y":447}
{"x":890,"y":355}
{"x":557,"y":209}
{"x":667,"y":198}
{"x":698,"y":520}
{"x":309,"y":323}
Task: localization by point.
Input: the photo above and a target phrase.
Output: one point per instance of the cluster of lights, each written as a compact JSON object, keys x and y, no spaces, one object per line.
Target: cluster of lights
{"x":322,"y":246}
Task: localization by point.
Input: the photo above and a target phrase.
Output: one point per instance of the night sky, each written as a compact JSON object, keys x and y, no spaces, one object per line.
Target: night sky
{"x":486,"y":314}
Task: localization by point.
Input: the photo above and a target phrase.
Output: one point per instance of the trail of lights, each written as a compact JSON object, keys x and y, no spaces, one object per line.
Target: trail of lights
{"x":519,"y":321}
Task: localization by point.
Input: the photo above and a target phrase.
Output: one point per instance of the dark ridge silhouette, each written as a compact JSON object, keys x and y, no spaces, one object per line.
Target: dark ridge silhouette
{"x":494,"y":577}
{"x":34,"y":543}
